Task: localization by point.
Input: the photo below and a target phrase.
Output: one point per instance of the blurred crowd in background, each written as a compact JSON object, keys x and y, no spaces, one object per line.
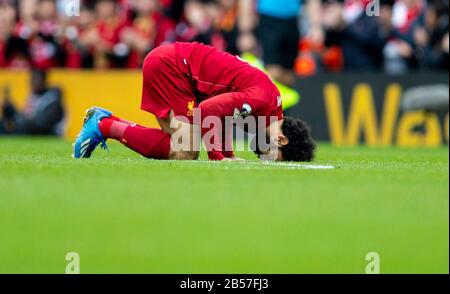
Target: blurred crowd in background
{"x":290,"y":36}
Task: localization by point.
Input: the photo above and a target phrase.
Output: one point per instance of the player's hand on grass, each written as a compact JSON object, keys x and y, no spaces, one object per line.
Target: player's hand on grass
{"x":238,"y":159}
{"x":232,"y":159}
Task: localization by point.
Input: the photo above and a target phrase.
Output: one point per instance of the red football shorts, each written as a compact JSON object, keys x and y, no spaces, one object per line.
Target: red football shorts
{"x":165,"y":86}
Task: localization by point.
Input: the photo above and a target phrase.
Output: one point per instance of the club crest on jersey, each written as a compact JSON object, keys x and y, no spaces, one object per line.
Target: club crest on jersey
{"x":190,"y":107}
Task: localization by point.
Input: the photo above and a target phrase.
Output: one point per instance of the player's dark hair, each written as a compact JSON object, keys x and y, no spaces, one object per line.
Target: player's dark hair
{"x":301,"y":146}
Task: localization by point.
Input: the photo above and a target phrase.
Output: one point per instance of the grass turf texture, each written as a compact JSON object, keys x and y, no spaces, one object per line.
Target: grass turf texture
{"x":124,"y":213}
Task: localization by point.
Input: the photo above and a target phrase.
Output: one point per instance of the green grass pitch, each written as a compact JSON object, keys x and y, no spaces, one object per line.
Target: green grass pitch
{"x":126,"y":214}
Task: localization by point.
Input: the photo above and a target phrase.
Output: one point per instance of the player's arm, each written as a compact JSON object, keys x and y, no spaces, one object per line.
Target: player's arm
{"x":227,"y":139}
{"x":220,"y":107}
{"x":213,"y":110}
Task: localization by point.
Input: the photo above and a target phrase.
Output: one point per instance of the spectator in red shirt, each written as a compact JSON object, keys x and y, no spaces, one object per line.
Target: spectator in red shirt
{"x":109,"y":51}
{"x":200,"y":24}
{"x":80,"y":38}
{"x":44,"y":47}
{"x":8,"y":16}
{"x":149,"y":29}
{"x":14,"y":52}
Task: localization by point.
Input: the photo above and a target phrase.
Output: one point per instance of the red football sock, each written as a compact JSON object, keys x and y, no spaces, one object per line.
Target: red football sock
{"x":113,"y":127}
{"x":151,"y":143}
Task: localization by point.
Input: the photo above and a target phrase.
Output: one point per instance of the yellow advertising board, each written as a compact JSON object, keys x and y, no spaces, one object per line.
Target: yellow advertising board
{"x":118,"y":91}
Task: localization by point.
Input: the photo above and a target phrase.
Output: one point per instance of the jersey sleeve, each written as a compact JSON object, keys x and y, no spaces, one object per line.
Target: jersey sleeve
{"x":215,"y":109}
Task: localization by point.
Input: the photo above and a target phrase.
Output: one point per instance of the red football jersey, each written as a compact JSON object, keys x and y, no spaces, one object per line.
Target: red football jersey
{"x":182,"y":76}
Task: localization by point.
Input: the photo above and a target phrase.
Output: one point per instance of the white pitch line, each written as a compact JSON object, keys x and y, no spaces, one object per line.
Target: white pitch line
{"x":264,"y":163}
{"x":295,"y":165}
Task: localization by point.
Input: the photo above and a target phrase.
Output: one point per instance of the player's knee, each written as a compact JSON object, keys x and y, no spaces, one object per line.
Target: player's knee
{"x":184,"y":155}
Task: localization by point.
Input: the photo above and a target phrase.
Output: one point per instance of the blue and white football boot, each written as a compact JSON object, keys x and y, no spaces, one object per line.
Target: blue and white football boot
{"x":90,"y":136}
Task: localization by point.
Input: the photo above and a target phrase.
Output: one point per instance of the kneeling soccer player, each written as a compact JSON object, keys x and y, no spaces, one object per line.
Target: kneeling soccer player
{"x":182,"y":79}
